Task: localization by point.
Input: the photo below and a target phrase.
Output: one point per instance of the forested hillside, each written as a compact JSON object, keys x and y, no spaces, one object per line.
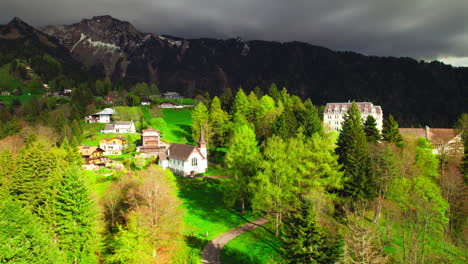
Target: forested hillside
{"x":357,"y":196}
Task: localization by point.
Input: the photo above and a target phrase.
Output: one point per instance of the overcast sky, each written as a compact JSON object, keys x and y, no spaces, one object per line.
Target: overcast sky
{"x":422,"y":29}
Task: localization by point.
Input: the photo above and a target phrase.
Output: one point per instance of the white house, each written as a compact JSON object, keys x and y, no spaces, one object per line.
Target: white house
{"x":185,"y":160}
{"x":105,"y":116}
{"x":119,"y":127}
{"x":333,"y":116}
{"x":169,"y":105}
{"x":145,"y":101}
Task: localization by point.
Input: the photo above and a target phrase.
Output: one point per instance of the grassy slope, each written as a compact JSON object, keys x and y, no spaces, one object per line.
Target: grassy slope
{"x":258,"y":246}
{"x":203,"y":200}
{"x":179,"y":124}
{"x":9,"y":83}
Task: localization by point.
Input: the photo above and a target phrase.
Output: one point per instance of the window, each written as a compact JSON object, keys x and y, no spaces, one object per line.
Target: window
{"x":194,"y":162}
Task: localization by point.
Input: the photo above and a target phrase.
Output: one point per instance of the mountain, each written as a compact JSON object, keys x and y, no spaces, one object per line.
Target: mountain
{"x":20,"y":40}
{"x":416,"y":93}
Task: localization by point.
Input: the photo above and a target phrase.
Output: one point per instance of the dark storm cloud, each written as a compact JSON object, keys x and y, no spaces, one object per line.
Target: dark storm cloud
{"x":425,"y":29}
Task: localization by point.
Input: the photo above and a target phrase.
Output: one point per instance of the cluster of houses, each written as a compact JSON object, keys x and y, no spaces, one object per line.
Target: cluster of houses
{"x":185,"y":160}
{"x":182,"y":159}
{"x":444,"y":140}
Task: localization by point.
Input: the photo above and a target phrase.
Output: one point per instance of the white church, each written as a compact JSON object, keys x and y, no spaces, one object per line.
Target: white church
{"x":185,"y":160}
{"x":333,"y":116}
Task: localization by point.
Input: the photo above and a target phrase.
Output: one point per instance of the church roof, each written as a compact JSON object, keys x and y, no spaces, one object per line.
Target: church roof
{"x":106,"y":111}
{"x":181,"y":151}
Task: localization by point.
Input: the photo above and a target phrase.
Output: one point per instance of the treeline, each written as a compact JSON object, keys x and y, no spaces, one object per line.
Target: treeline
{"x":363,"y":197}
{"x":46,"y":211}
{"x":275,"y":113}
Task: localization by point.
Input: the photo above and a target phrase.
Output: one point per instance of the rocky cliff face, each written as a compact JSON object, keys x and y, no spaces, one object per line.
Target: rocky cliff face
{"x":108,"y":45}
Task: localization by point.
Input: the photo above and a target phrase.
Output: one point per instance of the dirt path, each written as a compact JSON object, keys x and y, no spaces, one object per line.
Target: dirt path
{"x":212,"y":252}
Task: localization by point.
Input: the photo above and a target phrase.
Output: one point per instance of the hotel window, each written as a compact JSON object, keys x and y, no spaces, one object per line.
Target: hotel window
{"x":194,"y":162}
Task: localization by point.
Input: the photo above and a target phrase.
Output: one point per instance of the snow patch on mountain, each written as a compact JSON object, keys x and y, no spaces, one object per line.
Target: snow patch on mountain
{"x":102,"y":45}
{"x":245,"y":50}
{"x":177,"y":43}
{"x":83,"y":36}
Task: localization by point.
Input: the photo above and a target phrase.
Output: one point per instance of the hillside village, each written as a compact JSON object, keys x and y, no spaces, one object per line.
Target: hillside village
{"x":196,"y":169}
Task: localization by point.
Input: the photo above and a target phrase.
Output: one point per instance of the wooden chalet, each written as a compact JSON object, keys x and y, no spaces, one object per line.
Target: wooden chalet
{"x":92,"y":155}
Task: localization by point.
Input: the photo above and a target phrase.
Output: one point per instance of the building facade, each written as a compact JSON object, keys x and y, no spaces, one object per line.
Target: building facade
{"x":105,"y":116}
{"x":92,"y":155}
{"x":446,"y":141}
{"x":120,"y":127}
{"x":334,"y":113}
{"x":151,"y":139}
{"x":113,"y":146}
{"x":185,"y":160}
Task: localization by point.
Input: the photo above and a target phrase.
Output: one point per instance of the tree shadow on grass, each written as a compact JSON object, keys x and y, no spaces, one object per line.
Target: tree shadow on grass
{"x":203,"y":199}
{"x":197,"y":242}
{"x":183,"y":131}
{"x":257,"y":246}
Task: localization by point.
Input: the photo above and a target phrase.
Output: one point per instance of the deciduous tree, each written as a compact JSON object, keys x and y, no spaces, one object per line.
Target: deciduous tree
{"x":241,"y":161}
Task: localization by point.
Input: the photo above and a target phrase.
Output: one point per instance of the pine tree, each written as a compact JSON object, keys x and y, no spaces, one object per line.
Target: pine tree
{"x":77,"y":131}
{"x":273,"y":92}
{"x":241,"y":104}
{"x":266,"y":115}
{"x":24,"y":237}
{"x":311,"y":120}
{"x":462,"y":127}
{"x":390,"y":132}
{"x":218,"y":122}
{"x":304,"y":241}
{"x":226,"y":99}
{"x":370,"y":128}
{"x":200,"y":120}
{"x":353,"y":155}
{"x":74,"y":217}
{"x":7,"y":170}
{"x":36,"y":171}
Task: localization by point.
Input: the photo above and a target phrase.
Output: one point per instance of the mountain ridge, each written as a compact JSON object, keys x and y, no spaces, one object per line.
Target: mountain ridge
{"x":415,"y":92}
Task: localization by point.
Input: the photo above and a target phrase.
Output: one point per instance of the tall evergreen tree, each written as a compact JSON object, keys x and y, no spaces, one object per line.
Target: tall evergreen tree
{"x":241,"y":103}
{"x":370,"y":128}
{"x":353,"y":155}
{"x":7,"y":170}
{"x":390,"y":132}
{"x":74,"y":215}
{"x":36,"y":171}
{"x":273,"y":92}
{"x":24,"y":237}
{"x":218,"y":122}
{"x":462,"y":127}
{"x":304,"y":241}
{"x":266,"y":115}
{"x":200,"y":120}
{"x":311,"y":119}
{"x":226,"y":99}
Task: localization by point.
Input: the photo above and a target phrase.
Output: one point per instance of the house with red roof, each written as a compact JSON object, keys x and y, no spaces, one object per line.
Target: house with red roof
{"x":444,"y":140}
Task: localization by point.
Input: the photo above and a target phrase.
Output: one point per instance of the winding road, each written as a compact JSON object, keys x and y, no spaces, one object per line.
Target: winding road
{"x":212,"y":252}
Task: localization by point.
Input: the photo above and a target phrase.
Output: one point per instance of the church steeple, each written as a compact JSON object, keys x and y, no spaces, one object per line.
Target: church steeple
{"x":201,"y":141}
{"x":202,"y":144}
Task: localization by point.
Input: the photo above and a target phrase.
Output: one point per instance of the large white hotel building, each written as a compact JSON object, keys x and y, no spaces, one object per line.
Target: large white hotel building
{"x":333,"y":116}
